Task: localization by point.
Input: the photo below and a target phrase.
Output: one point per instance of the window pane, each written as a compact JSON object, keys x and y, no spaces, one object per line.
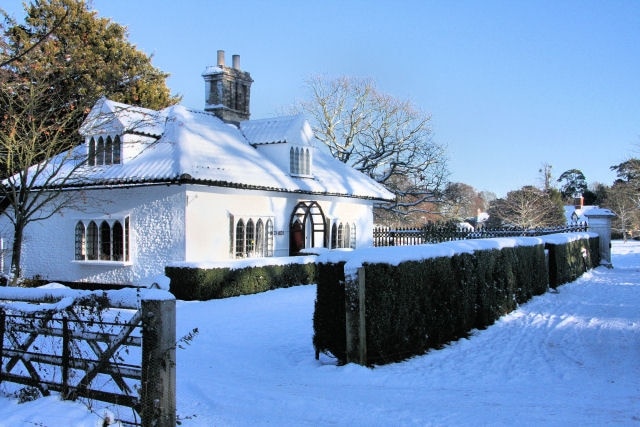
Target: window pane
{"x":92,"y":241}
{"x":100,"y":152}
{"x":251,"y":243}
{"x":92,"y":152}
{"x":346,"y":236}
{"x":334,"y":235}
{"x":292,"y":160}
{"x":307,"y":162}
{"x":117,"y":148}
{"x":339,"y":237}
{"x":118,"y":242}
{"x":105,"y":241}
{"x":80,"y":241}
{"x":108,"y":151}
{"x":240,"y":239}
{"x":260,"y":241}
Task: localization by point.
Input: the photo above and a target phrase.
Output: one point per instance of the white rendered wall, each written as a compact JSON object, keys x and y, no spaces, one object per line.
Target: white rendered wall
{"x":208,"y":217}
{"x":156,"y":237}
{"x":169,"y":224}
{"x":209,"y":210}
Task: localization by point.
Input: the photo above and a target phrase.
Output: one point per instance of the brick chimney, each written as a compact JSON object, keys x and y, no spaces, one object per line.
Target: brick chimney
{"x":227,"y":90}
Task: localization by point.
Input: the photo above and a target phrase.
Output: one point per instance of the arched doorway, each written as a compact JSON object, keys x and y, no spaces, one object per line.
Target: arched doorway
{"x":307,"y":227}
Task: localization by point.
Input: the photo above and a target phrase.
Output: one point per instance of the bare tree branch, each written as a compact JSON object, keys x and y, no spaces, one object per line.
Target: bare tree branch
{"x":383,"y":137}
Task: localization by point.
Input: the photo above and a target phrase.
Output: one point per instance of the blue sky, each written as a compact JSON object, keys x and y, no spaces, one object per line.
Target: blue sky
{"x":510,"y":85}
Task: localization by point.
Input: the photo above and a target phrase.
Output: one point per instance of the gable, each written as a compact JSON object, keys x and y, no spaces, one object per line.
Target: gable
{"x":110,"y":117}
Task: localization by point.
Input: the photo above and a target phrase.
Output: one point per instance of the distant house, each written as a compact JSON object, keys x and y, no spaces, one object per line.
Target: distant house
{"x":179,"y":185}
{"x":576,"y":213}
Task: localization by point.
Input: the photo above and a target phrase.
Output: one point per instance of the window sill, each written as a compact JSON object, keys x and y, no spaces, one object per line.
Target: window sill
{"x":102,"y":263}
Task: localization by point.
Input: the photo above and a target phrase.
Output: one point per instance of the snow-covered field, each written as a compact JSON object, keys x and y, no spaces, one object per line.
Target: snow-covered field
{"x":567,"y":358}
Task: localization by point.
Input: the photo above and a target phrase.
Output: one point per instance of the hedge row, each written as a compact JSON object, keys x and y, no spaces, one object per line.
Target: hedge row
{"x":188,"y":283}
{"x":567,"y":261}
{"x":419,"y":305}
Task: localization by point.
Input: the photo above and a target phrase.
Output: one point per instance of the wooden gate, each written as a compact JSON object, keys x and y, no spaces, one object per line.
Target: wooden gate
{"x":113,"y":346}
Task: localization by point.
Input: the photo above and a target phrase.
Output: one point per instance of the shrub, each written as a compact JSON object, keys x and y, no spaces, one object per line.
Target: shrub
{"x":189,"y":283}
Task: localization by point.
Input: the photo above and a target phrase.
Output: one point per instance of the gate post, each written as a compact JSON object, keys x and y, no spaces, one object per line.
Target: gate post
{"x":158,"y":394}
{"x":600,"y":222}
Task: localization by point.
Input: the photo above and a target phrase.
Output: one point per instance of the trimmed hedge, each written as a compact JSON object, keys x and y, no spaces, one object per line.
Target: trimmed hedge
{"x":419,"y":305}
{"x":423,"y":305}
{"x":329,"y":315}
{"x":568,"y":261}
{"x":188,"y":283}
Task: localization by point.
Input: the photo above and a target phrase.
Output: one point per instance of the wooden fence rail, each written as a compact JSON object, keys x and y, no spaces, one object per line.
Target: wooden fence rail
{"x":113,"y":346}
{"x":436,"y":233}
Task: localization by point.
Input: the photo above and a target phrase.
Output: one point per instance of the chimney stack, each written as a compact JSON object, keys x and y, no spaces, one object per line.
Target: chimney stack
{"x":227,"y":90}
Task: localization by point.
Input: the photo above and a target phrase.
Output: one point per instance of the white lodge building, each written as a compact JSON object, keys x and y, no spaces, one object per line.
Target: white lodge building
{"x":173,"y":186}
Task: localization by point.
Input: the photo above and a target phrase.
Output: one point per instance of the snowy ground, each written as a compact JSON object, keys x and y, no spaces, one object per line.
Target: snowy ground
{"x":567,"y":358}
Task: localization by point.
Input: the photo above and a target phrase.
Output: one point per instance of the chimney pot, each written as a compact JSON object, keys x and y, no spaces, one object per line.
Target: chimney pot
{"x":236,"y":61}
{"x":221,"y":58}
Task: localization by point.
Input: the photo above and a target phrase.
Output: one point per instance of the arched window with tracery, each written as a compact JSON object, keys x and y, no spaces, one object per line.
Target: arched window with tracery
{"x":118,"y":242}
{"x":105,"y":241}
{"x":80,"y":241}
{"x":346,"y":236}
{"x":251,"y":235}
{"x":307,"y":162}
{"x":292,"y":160}
{"x":108,"y":151}
{"x":100,"y":152}
{"x":260,"y":238}
{"x":117,"y":150}
{"x":340,"y":235}
{"x":334,"y":236}
{"x":92,"y":152}
{"x":92,"y":241}
{"x":240,"y":238}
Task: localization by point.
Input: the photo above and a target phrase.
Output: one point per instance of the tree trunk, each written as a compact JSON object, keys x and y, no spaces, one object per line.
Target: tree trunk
{"x":16,"y":252}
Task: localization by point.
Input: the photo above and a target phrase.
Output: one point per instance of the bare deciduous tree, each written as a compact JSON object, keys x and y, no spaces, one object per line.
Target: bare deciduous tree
{"x":381,"y":136}
{"x":31,"y":143}
{"x":526,"y":208}
{"x":624,"y":200}
{"x":462,"y":202}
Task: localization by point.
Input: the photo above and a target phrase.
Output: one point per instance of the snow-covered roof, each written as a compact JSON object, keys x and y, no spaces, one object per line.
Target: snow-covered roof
{"x":292,"y":129}
{"x":115,"y":117}
{"x":197,"y":147}
{"x":580,"y":213}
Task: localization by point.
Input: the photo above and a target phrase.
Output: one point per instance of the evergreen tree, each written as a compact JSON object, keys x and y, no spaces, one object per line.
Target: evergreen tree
{"x":574,"y":183}
{"x":81,"y":56}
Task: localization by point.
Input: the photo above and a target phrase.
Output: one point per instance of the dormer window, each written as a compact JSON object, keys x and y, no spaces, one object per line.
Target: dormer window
{"x":104,"y":150}
{"x":300,"y":161}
